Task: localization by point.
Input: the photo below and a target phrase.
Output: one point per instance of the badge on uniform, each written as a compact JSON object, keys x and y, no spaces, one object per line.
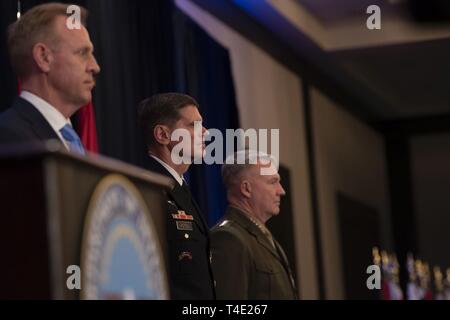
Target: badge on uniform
{"x":185,"y":255}
{"x":182,"y":216}
{"x":184,"y":225}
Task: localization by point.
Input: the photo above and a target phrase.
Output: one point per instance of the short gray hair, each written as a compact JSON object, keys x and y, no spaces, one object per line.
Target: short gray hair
{"x":240,"y":161}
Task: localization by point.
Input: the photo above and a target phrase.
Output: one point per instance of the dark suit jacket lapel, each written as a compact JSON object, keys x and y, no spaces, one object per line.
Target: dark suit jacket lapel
{"x":39,"y":124}
{"x":179,"y":196}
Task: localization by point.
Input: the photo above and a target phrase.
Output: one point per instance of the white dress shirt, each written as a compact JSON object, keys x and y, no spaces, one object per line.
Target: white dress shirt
{"x":171,"y":170}
{"x":55,"y":118}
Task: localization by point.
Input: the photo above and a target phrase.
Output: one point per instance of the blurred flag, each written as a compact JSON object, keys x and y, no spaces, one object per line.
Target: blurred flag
{"x":438,"y":284}
{"x":390,"y":286}
{"x":447,"y":285}
{"x":413,"y":290}
{"x":87,"y":129}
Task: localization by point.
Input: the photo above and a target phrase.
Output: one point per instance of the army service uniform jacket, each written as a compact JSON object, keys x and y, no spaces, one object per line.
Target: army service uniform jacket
{"x":188,"y":243}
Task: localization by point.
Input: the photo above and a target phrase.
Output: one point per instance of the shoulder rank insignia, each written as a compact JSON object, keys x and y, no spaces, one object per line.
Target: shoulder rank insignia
{"x":224,"y":223}
{"x":182,"y":216}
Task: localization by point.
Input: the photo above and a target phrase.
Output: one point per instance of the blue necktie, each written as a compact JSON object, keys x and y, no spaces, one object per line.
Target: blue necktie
{"x":72,"y":139}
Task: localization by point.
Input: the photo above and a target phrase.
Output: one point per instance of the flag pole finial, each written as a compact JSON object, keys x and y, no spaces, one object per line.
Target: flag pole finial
{"x":18,"y":10}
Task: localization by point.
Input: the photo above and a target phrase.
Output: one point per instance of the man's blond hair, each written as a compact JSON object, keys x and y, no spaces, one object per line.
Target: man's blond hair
{"x":36,"y":25}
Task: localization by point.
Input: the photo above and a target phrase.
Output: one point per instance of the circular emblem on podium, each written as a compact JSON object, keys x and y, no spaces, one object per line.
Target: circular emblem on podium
{"x":121,"y":257}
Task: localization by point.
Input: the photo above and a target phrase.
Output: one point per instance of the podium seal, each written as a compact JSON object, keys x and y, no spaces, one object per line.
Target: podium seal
{"x":121,"y":257}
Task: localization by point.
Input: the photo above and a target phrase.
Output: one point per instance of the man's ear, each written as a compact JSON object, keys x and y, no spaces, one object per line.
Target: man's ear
{"x":42,"y":56}
{"x":161,"y":134}
{"x":246,"y":188}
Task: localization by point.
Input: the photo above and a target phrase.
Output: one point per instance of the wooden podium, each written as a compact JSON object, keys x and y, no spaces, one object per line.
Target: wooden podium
{"x":45,"y":194}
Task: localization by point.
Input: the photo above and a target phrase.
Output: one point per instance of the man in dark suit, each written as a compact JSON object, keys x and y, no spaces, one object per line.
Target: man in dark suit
{"x":56,"y":67}
{"x":161,"y":117}
{"x":248,"y":263}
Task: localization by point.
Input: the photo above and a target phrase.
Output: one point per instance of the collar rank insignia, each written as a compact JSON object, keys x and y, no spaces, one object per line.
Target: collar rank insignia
{"x":182,"y":216}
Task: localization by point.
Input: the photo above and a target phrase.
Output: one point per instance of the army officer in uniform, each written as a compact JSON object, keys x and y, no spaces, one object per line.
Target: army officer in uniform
{"x":190,"y":273}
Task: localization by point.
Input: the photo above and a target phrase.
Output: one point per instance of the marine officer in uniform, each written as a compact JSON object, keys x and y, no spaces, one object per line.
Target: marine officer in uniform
{"x":248,"y":263}
{"x":190,"y":273}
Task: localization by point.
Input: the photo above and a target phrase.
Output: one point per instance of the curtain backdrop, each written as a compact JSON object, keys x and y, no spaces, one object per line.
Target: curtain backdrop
{"x":204,"y":71}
